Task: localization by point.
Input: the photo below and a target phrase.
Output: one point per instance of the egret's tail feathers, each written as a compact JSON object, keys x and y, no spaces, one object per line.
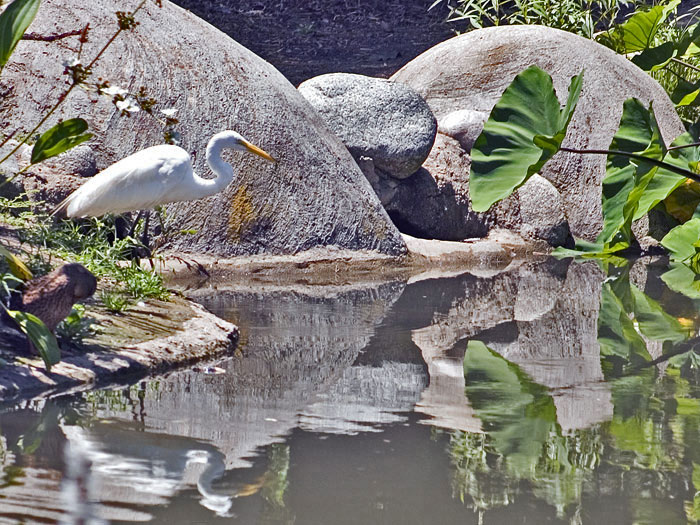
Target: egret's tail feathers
{"x":60,"y":210}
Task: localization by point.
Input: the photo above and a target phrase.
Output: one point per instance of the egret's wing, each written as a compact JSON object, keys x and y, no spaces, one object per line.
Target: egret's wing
{"x":140,"y":181}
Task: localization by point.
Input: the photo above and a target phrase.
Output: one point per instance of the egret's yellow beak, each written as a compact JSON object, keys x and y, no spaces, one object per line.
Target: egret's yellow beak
{"x":254,"y":149}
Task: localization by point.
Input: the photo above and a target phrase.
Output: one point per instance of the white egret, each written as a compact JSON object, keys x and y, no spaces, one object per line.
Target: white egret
{"x":154,"y":176}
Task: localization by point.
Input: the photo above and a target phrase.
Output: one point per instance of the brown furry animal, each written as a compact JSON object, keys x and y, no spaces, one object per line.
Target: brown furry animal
{"x":52,"y":296}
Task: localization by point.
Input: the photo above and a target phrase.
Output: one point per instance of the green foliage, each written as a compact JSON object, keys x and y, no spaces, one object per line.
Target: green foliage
{"x":683,"y":242}
{"x":629,"y":318}
{"x":76,"y":326}
{"x":638,"y":33}
{"x":583,"y":17}
{"x":94,"y":244}
{"x":60,"y":138}
{"x":115,"y":302}
{"x":39,"y":335}
{"x":15,"y":264}
{"x":14,"y":21}
{"x":518,"y":413}
{"x":525,"y":129}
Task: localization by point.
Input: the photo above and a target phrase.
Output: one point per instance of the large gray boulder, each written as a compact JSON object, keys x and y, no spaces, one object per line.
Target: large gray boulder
{"x":314,"y":196}
{"x":463,"y":78}
{"x":375,"y":118}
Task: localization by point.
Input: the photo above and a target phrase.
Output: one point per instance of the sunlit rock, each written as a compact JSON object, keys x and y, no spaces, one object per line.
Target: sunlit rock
{"x":315,"y":195}
{"x":375,"y":118}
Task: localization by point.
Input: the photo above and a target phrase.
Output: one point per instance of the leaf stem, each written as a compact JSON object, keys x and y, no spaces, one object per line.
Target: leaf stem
{"x":686,"y":64}
{"x":665,"y":165}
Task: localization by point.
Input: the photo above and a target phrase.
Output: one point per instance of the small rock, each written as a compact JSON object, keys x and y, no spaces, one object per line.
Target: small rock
{"x":463,"y":125}
{"x":376,"y":118}
{"x":542,"y":212}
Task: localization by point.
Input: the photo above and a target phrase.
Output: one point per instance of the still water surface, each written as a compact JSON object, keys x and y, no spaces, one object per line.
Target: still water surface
{"x":549,"y":393}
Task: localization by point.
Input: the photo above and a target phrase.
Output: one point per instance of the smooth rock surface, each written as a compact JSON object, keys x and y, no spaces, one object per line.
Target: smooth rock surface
{"x":314,"y":196}
{"x":376,"y":118}
{"x":471,"y":71}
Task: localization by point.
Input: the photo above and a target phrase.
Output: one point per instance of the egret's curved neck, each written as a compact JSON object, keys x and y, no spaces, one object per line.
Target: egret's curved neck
{"x":222,"y":169}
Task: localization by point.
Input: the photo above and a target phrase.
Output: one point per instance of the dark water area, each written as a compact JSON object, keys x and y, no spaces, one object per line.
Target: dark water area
{"x":551,"y":392}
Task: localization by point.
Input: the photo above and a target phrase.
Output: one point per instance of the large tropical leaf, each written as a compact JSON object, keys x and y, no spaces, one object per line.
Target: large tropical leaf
{"x":665,"y":182}
{"x":62,"y":137}
{"x":517,"y":413}
{"x":683,"y":242}
{"x":14,"y":21}
{"x":40,"y":336}
{"x":638,"y":33}
{"x":626,"y":179}
{"x":680,"y":278}
{"x":655,"y":58}
{"x":616,"y":332}
{"x":525,"y":129}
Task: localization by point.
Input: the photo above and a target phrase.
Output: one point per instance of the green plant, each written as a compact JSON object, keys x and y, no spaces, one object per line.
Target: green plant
{"x":115,"y":302}
{"x":526,"y":128}
{"x":92,"y":242}
{"x":583,"y":17}
{"x":76,"y":326}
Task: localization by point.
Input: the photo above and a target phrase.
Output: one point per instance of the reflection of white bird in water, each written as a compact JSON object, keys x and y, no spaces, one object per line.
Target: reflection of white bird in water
{"x":154,"y":176}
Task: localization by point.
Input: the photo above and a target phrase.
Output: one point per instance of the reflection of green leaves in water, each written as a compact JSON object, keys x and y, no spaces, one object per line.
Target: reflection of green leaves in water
{"x":628,"y":318}
{"x":523,"y":439}
{"x":276,"y":481}
{"x":656,"y":427}
{"x":518,"y":414}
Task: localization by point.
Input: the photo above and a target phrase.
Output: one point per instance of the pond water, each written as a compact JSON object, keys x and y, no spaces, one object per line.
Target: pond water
{"x":552,"y":392}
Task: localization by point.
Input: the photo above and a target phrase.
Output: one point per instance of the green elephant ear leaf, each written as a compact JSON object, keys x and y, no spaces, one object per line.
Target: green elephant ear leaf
{"x":40,"y":336}
{"x":525,"y":129}
{"x":637,"y":33}
{"x":14,"y":21}
{"x":60,"y":138}
{"x":627,"y":179}
{"x":682,"y":241}
{"x":682,"y":279}
{"x":665,"y":181}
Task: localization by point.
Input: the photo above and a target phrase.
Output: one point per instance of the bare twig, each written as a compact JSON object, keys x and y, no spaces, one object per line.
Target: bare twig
{"x":50,"y":38}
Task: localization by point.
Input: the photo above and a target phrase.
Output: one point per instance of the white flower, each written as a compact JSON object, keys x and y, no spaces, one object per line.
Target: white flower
{"x":168,"y":112}
{"x":114,"y":91}
{"x":128,"y":105}
{"x":72,"y":62}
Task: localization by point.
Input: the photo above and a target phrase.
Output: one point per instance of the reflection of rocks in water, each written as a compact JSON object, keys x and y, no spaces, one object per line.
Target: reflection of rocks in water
{"x":294,"y":347}
{"x":543,"y":317}
{"x":365,"y":396}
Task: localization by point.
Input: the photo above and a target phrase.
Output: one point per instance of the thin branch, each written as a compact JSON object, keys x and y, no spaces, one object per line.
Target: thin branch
{"x":686,"y":64}
{"x":50,"y":38}
{"x":694,"y":144}
{"x":65,"y":94}
{"x":665,"y":165}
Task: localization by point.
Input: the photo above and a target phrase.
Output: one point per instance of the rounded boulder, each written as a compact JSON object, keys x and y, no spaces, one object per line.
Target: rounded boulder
{"x":375,"y":118}
{"x":314,"y":195}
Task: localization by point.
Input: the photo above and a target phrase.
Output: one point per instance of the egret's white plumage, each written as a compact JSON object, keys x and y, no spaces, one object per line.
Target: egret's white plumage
{"x":154,"y":176}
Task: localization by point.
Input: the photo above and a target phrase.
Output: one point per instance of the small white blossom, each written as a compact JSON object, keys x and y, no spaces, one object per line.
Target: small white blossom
{"x":168,"y":112}
{"x":71,"y":62}
{"x":114,"y":91}
{"x":128,"y":105}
